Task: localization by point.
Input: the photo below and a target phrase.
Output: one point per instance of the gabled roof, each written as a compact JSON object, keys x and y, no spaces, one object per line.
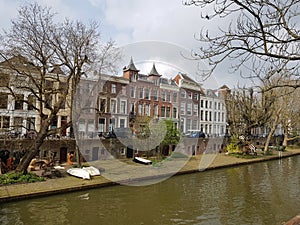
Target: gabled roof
{"x":57,"y":70}
{"x":224,"y":87}
{"x":19,"y":62}
{"x":210,"y":93}
{"x":187,"y":78}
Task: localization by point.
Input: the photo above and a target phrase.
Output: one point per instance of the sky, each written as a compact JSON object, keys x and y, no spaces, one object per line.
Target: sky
{"x":156,"y":31}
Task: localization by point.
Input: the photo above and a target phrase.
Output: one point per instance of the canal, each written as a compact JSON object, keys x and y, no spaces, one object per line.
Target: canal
{"x":261,"y":193}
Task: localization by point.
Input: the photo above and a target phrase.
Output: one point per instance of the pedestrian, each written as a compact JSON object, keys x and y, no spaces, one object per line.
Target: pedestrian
{"x":70,"y":158}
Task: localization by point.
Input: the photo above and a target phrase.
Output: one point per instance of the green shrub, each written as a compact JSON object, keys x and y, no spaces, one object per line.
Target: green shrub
{"x":232,"y":148}
{"x":12,"y":178}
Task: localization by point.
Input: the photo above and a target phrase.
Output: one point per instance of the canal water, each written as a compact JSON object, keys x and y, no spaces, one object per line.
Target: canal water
{"x":261,"y":193}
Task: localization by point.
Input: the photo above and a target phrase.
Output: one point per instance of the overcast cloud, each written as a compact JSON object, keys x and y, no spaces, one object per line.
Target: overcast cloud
{"x":132,"y":21}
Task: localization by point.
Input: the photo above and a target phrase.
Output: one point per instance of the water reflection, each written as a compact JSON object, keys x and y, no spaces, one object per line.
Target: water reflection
{"x":261,"y":193}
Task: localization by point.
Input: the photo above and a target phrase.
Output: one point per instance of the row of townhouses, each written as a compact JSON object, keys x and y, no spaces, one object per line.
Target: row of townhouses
{"x":115,"y":100}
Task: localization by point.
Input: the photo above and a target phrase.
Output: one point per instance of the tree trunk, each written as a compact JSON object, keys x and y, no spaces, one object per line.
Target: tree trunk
{"x":30,"y":154}
{"x":275,"y":124}
{"x":285,"y":139}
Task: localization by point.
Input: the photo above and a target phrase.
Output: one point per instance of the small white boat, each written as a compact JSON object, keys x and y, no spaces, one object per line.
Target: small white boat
{"x":78,"y":172}
{"x":59,"y":167}
{"x":142,"y":161}
{"x":93,"y":171}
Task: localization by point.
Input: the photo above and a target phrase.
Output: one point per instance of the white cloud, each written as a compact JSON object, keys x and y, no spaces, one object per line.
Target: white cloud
{"x":153,"y":20}
{"x":133,"y":21}
{"x":7,"y":12}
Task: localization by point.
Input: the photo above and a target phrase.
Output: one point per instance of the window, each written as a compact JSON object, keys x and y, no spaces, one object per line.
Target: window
{"x":122,"y":123}
{"x":182,"y":93}
{"x":163,"y":96}
{"x":174,"y":97}
{"x":155,"y":110}
{"x":132,"y":107}
{"x":201,"y":115}
{"x":113,"y":106}
{"x":132,"y":92}
{"x":19,"y":102}
{"x":195,"y":125}
{"x":102,"y":105}
{"x":54,"y":123}
{"x":147,"y":93}
{"x":140,"y":109}
{"x":63,"y":86}
{"x":182,"y":108}
{"x":206,"y":116}
{"x":4,"y":80}
{"x":155,"y":95}
{"x":190,"y":96}
{"x":196,"y":96}
{"x":174,"y":112}
{"x":112,"y":124}
{"x":168,"y":99}
{"x":30,"y":123}
{"x":48,"y":101}
{"x":62,"y":103}
{"x":101,"y":125}
{"x":210,"y":116}
{"x":123,"y":90}
{"x":182,"y":121}
{"x":163,"y":111}
{"x":18,"y":124}
{"x":81,"y":126}
{"x":48,"y":85}
{"x":201,"y":103}
{"x":123,"y":107}
{"x":5,"y":122}
{"x":195,"y":110}
{"x":147,"y":110}
{"x":189,"y":109}
{"x":113,"y":88}
{"x":141,"y":92}
{"x":188,"y":124}
{"x":3,"y":100}
{"x":168,"y":112}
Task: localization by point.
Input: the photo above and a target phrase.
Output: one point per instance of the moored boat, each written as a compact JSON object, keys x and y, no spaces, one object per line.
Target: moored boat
{"x":78,"y":172}
{"x":142,"y":161}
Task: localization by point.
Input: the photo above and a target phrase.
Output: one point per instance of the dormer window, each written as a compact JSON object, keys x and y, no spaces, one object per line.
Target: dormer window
{"x":113,"y":88}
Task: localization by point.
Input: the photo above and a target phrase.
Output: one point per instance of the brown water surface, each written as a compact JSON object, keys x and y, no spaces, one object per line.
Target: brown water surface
{"x":261,"y":193}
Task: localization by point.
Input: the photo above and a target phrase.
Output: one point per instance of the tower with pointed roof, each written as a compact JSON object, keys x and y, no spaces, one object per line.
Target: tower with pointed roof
{"x":130,"y":72}
{"x":153,"y":73}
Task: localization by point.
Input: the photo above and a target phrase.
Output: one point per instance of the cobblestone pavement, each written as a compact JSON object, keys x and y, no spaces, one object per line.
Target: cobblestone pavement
{"x":140,"y":172}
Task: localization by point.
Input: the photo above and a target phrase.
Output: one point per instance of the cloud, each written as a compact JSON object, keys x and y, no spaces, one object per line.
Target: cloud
{"x":133,"y":21}
{"x":153,"y":20}
{"x":7,"y":12}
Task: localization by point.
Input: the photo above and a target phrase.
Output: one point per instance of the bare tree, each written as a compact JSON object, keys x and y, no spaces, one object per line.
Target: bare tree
{"x":287,"y":102}
{"x":247,"y":109}
{"x":48,"y":59}
{"x":260,"y":34}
